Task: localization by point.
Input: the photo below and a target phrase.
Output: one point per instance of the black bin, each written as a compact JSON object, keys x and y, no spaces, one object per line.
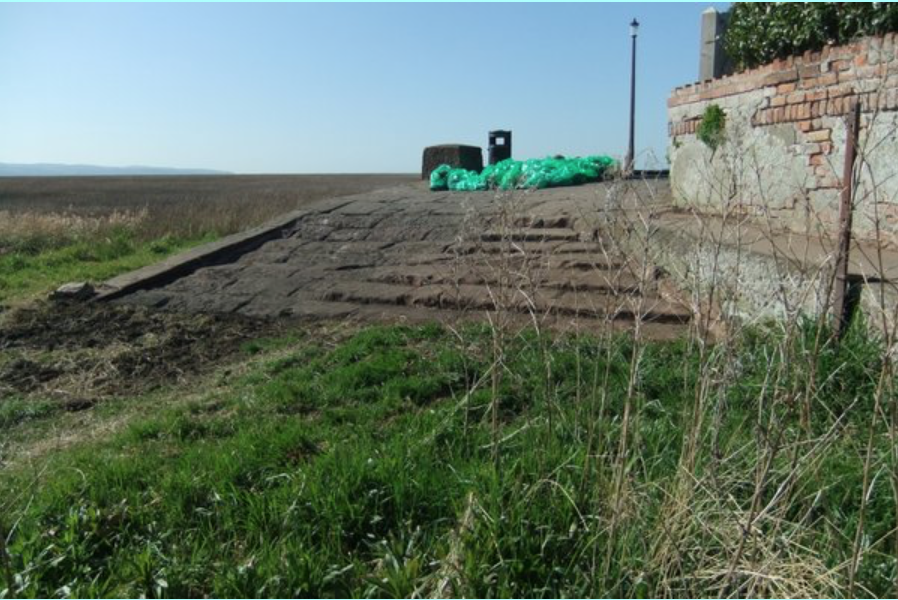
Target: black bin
{"x":500,"y":146}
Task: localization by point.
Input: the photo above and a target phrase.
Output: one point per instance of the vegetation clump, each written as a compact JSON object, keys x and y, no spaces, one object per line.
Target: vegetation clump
{"x":712,"y":128}
{"x":759,"y":32}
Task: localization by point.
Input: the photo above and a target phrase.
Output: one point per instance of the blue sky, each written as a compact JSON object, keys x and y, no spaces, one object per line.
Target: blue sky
{"x":306,"y":88}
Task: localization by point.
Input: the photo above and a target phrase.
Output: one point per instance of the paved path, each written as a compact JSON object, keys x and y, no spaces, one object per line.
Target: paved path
{"x":408,"y":253}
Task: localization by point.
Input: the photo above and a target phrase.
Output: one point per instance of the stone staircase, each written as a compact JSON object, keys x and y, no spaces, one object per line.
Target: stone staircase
{"x":424,"y":256}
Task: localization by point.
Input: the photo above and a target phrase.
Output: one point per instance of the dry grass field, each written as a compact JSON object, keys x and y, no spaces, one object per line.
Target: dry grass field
{"x":58,"y":229}
{"x":179,"y":205}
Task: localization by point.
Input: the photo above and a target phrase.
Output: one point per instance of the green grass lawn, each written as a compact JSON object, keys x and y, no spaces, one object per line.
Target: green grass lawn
{"x":34,"y":268}
{"x":416,"y":461}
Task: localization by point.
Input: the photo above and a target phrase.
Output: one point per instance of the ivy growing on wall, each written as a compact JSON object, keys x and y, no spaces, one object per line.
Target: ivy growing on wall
{"x":759,"y":32}
{"x":712,"y":129}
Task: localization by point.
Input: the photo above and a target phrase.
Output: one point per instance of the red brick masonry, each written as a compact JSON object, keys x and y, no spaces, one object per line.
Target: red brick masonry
{"x":807,"y":91}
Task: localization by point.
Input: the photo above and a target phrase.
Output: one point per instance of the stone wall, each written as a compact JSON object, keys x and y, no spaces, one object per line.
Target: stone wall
{"x":783,"y":155}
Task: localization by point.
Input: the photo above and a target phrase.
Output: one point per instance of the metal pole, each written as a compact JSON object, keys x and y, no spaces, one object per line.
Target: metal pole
{"x":628,"y":162}
{"x":840,"y":306}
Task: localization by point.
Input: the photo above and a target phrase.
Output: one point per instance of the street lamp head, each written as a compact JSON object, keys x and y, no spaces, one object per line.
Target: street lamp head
{"x":634,"y":27}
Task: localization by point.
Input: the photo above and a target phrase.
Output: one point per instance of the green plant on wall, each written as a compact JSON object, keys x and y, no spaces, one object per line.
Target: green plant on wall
{"x":759,"y":32}
{"x":712,"y":129}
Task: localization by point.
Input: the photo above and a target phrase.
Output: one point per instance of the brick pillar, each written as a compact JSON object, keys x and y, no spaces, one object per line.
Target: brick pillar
{"x":713,"y":62}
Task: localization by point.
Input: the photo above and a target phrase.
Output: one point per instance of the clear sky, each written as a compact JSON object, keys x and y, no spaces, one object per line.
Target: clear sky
{"x":304,"y":88}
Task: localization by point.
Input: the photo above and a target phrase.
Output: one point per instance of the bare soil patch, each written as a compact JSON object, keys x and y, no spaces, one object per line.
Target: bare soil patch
{"x":96,"y":350}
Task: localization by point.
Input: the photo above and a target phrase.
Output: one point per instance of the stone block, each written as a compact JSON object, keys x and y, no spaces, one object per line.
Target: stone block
{"x":454,"y":155}
{"x":828,"y":79}
{"x":811,"y":70}
{"x":78,"y":291}
{"x":828,"y":182}
{"x":892,"y":100}
{"x":821,"y":135}
{"x":713,"y":62}
{"x":811,"y":148}
{"x":871,"y":71}
{"x":887,"y":52}
{"x":817,"y":160}
{"x":823,"y":201}
{"x":838,"y":92}
{"x":873,"y":56}
{"x":835,"y":107}
{"x":785,"y":88}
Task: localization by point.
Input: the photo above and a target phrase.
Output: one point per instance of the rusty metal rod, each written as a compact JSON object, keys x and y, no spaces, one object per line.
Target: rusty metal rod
{"x":840,"y":306}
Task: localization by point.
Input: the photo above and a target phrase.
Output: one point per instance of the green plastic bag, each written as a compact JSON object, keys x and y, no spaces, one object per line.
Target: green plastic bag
{"x":515,"y":174}
{"x":461,"y":180}
{"x":439,"y":178}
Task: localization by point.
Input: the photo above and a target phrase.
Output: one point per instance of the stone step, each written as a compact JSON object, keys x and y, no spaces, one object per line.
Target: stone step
{"x":369,"y":293}
{"x":554,"y":248}
{"x":581,"y":247}
{"x":544,"y":222}
{"x":532,"y":235}
{"x":586,"y":261}
{"x":480,"y":297}
{"x":487,"y":247}
{"x":598,"y":262}
{"x":310,"y":307}
{"x":531,"y":247}
{"x":620,"y":282}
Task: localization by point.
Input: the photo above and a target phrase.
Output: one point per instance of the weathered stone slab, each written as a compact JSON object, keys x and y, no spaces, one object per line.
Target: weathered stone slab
{"x":407,"y":253}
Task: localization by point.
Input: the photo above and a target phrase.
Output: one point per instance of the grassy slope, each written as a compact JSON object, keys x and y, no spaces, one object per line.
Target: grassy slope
{"x":30,"y":271}
{"x":367,"y":468}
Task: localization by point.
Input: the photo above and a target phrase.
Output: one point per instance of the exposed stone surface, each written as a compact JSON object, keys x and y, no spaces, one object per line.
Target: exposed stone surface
{"x":407,"y":253}
{"x":757,"y":275}
{"x":78,"y":291}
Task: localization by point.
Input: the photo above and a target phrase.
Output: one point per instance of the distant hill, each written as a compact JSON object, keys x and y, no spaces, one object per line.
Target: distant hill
{"x":60,"y":170}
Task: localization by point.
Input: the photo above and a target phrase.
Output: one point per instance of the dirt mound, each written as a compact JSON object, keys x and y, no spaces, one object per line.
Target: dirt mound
{"x":110,"y":350}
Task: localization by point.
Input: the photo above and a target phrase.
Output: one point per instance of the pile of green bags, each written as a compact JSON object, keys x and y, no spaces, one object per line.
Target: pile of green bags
{"x":515,"y":174}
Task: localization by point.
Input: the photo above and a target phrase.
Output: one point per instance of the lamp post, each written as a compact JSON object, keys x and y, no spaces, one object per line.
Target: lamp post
{"x":628,"y":161}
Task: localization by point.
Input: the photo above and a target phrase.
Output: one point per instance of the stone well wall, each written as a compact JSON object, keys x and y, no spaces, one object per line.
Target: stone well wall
{"x":785,"y":139}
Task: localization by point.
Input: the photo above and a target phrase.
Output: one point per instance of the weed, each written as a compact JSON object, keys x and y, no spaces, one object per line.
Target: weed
{"x":15,"y":410}
{"x":712,"y":128}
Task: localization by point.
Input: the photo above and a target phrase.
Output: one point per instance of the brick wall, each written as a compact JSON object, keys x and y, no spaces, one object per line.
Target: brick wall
{"x":786,"y":123}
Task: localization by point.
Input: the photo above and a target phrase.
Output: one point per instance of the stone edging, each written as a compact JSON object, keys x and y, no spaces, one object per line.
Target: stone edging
{"x":220,"y":251}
